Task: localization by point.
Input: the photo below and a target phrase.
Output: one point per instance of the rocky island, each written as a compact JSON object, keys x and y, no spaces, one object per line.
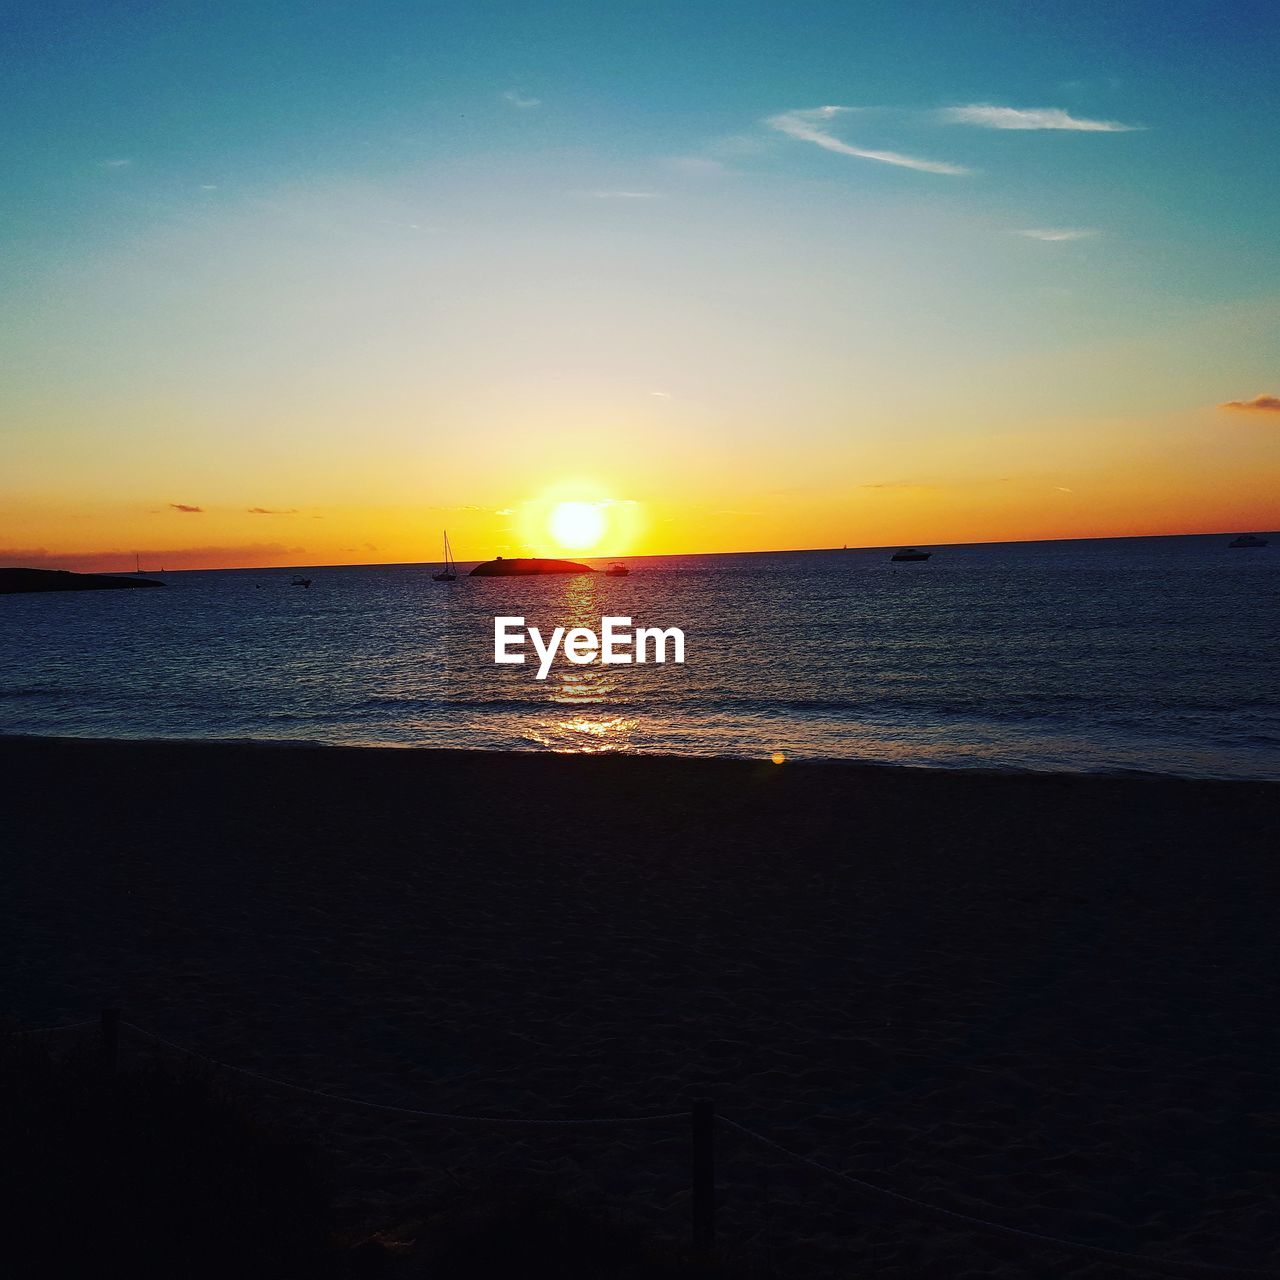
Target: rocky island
{"x":500,"y":568}
{"x":13,"y":581}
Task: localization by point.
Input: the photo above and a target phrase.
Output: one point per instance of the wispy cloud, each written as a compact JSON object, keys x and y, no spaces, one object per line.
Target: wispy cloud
{"x":626,"y":195}
{"x":1259,"y":404}
{"x":523,"y":101}
{"x":809,"y":125}
{"x":1059,"y":233}
{"x":119,"y":162}
{"x":662,"y":395}
{"x":987,"y":116}
{"x":273,"y":511}
{"x":186,"y":508}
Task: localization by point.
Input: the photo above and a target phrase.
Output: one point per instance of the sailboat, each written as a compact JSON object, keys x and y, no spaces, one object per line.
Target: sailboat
{"x":449,"y":573}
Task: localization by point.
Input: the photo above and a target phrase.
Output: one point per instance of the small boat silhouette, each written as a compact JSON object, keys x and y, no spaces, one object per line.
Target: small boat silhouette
{"x":300,"y":582}
{"x":449,"y":572}
{"x":1247,"y":540}
{"x":616,"y":571}
{"x":910,"y":553}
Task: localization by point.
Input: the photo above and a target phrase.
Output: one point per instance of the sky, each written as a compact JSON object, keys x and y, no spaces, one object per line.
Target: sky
{"x":308,"y":283}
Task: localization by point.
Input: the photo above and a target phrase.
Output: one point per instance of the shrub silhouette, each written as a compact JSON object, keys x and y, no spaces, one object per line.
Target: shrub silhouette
{"x":156,"y":1173}
{"x":147,"y":1174}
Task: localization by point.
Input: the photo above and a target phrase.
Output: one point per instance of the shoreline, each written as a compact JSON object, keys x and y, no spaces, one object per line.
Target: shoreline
{"x":669,"y":758}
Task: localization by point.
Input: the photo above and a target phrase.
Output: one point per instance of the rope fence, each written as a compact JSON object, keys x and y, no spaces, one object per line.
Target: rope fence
{"x":924,"y":1209}
{"x":703,"y":1120}
{"x":48,"y":1031}
{"x":570,"y":1122}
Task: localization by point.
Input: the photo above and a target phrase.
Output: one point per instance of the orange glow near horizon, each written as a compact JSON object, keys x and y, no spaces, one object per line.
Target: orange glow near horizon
{"x":1197,"y":474}
{"x":383,"y":537}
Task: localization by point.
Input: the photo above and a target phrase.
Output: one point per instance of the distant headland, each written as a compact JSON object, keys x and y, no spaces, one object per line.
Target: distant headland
{"x":13,"y":581}
{"x":518,"y":567}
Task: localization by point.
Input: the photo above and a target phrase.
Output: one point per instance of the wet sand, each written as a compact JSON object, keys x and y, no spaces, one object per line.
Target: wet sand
{"x":1046,"y":1000}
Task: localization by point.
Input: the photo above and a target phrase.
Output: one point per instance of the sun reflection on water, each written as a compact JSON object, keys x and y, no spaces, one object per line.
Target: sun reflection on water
{"x":588,"y":735}
{"x":571,"y":694}
{"x":582,"y":685}
{"x":812,"y":655}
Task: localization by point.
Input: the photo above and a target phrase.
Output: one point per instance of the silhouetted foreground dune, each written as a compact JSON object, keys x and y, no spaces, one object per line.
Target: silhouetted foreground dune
{"x":146,"y":1174}
{"x":160,"y":1172}
{"x":1042,"y":1001}
{"x":13,"y":581}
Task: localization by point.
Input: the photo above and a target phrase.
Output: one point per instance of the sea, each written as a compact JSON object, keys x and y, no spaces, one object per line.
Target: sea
{"x":1124,"y":655}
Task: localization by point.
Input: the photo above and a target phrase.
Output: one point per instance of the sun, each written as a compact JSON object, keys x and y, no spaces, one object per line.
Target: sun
{"x":577,"y":526}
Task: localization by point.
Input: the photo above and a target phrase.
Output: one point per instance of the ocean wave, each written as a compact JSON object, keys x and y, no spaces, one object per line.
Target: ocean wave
{"x":1048,"y":657}
{"x":18,"y":692}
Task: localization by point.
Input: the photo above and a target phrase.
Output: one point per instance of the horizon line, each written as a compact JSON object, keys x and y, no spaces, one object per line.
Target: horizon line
{"x":671,"y":555}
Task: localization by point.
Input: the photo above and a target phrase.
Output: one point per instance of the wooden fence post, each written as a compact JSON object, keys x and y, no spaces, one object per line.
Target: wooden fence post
{"x":704,"y":1176}
{"x":109,"y":1042}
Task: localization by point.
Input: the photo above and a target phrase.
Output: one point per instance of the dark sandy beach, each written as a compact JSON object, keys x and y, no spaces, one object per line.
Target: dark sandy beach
{"x":1044,"y":1000}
